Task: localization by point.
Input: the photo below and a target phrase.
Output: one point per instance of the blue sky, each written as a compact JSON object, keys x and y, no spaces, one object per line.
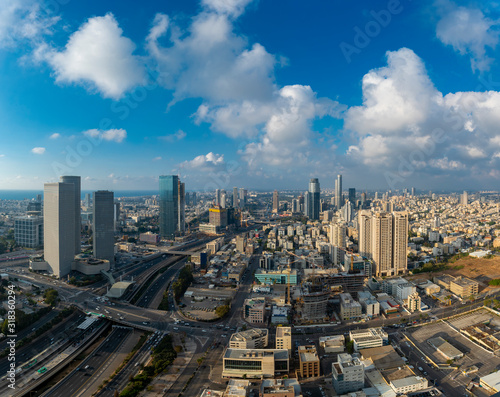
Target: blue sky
{"x":258,"y":94}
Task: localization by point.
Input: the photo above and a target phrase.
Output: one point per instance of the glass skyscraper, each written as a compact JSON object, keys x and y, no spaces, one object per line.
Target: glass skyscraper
{"x":313,"y":202}
{"x":169,"y":205}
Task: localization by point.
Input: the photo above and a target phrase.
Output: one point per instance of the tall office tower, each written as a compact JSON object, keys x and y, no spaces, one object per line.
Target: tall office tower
{"x":75,"y":180}
{"x":181,"y":213}
{"x":59,"y":227}
{"x":314,"y":194}
{"x":352,"y":195}
{"x":193,"y":199}
{"x":301,"y":204}
{"x":87,"y":200}
{"x":413,"y":192}
{"x":295,"y":206}
{"x":347,"y":211}
{"x":376,"y":195}
{"x":338,"y":240}
{"x":103,"y":227}
{"x":235,"y":197}
{"x":169,"y":205}
{"x":276,"y":202}
{"x":464,"y":199}
{"x":39,"y":198}
{"x":338,"y":192}
{"x":383,"y":237}
{"x":243,"y":197}
{"x":117,"y":216}
{"x":217,"y":197}
{"x":307,"y":206}
{"x":223,"y":199}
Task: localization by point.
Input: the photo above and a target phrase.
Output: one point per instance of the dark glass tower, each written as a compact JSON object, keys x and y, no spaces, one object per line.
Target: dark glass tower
{"x":169,"y":205}
{"x":314,"y":204}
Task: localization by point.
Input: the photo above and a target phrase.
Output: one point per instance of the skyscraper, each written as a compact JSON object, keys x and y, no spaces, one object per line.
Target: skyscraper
{"x":338,"y":192}
{"x":87,"y":200}
{"x":169,"y":205}
{"x":223,"y":199}
{"x":181,"y":214}
{"x":276,"y":202}
{"x":104,"y":225}
{"x":77,"y":224}
{"x":59,"y":227}
{"x":352,"y":195}
{"x":464,"y":199}
{"x":338,"y":240}
{"x":314,"y":194}
{"x":217,"y":197}
{"x":117,"y":216}
{"x":307,"y":206}
{"x":243,"y":197}
{"x":383,"y":237}
{"x":235,"y":197}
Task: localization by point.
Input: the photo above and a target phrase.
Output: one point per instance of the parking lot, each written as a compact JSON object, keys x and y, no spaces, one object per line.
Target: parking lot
{"x":473,"y":355}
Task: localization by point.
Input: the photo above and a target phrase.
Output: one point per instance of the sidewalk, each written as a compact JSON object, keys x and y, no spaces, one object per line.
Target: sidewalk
{"x":162,"y":383}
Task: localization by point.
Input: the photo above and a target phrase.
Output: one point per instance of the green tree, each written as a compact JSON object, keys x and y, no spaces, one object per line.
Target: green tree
{"x":51,"y":296}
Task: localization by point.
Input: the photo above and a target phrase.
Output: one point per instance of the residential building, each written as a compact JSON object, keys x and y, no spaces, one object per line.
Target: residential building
{"x":414,"y":302}
{"x":276,"y":202}
{"x":409,"y":384}
{"x":308,"y":362}
{"x":348,"y":374}
{"x":349,"y":308}
{"x":383,"y":237}
{"x":284,"y":338}
{"x":254,"y":310}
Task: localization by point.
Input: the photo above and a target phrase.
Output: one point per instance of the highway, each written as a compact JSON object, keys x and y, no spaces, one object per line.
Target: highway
{"x":76,"y":381}
{"x":120,"y":381}
{"x":26,"y":353}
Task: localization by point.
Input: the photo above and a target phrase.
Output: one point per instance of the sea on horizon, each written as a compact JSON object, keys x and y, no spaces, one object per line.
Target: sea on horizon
{"x":31,"y":194}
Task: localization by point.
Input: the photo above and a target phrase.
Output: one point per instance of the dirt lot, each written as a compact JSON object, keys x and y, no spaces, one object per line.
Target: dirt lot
{"x":479,"y":269}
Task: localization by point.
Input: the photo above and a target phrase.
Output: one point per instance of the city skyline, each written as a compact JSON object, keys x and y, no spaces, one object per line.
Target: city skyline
{"x":349,"y":93}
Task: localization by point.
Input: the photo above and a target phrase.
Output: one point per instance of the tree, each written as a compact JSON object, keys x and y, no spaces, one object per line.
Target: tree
{"x":50,"y":296}
{"x":221,"y":311}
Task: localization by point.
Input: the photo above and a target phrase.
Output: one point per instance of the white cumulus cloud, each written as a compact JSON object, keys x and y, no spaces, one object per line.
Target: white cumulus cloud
{"x":204,"y":162}
{"x":115,"y":135}
{"x":55,"y":135}
{"x":98,"y":57}
{"x":38,"y":150}
{"x":469,"y":32}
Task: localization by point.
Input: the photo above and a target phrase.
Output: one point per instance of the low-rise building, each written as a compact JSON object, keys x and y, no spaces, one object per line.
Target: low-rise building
{"x":448,"y":351}
{"x":368,"y":338}
{"x":280,"y":388}
{"x":348,"y":374}
{"x":414,"y":302}
{"x":237,"y":388}
{"x":332,"y":344}
{"x":254,"y":310}
{"x":491,"y":382}
{"x":349,"y":308}
{"x":254,"y":338}
{"x":255,"y":363}
{"x":308,"y":361}
{"x":409,"y":384}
